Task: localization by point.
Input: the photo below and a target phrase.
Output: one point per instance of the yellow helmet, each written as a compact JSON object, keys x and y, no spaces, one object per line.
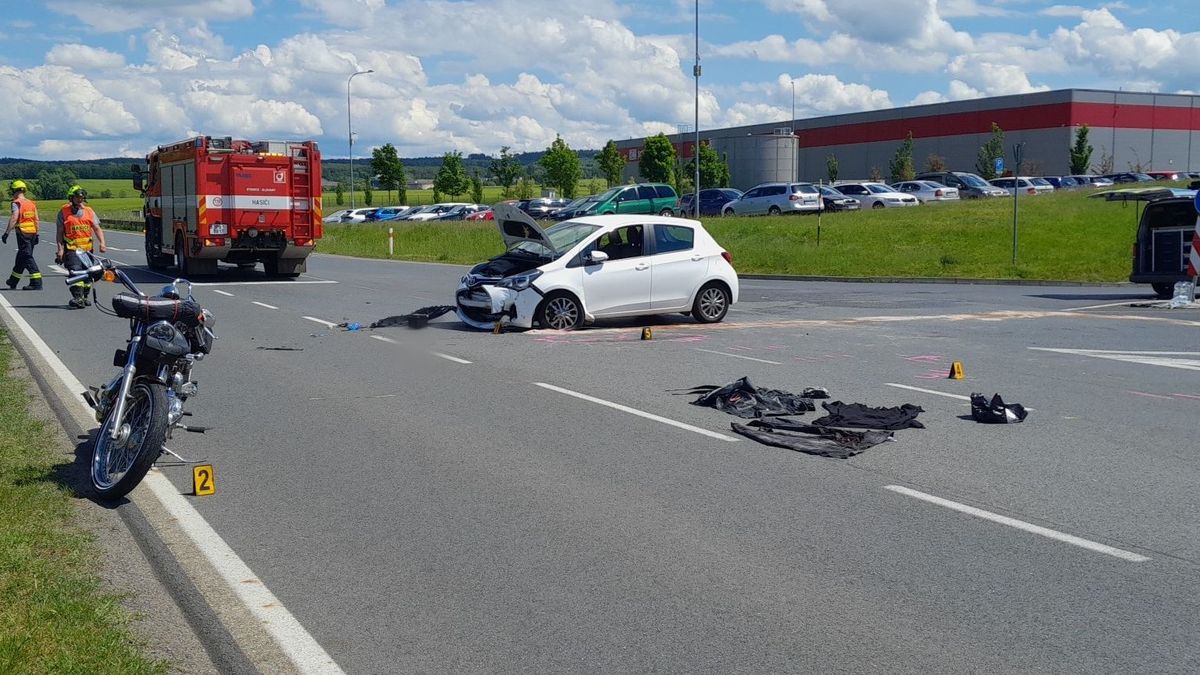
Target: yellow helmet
{"x":76,"y":191}
{"x":17,"y":185}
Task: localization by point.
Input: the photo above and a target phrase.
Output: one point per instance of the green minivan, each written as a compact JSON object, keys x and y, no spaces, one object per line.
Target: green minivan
{"x":644,"y":198}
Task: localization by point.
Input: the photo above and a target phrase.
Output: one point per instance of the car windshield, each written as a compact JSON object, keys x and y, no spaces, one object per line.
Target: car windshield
{"x":606,"y":195}
{"x":971,"y":180}
{"x":829,"y":192}
{"x":878,"y":189}
{"x":563,"y":237}
{"x":805,"y":188}
{"x":1040,"y":181}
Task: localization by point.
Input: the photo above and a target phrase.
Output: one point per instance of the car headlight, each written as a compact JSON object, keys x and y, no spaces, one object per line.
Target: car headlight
{"x":521,"y":281}
{"x":218,"y":228}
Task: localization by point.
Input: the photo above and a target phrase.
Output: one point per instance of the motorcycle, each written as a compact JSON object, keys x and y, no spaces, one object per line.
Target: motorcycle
{"x":141,"y":406}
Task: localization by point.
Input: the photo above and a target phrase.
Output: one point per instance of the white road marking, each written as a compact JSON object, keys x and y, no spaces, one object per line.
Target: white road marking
{"x":384,"y":339}
{"x":1146,"y":358}
{"x":265,"y":283}
{"x":450,"y":358}
{"x":323,"y":322}
{"x":1020,"y":525}
{"x":639,"y":413}
{"x":738,"y":356}
{"x":1111,"y":304}
{"x":263,"y":304}
{"x":225,"y":293}
{"x":300,"y":646}
{"x":59,"y":269}
{"x":929,"y":391}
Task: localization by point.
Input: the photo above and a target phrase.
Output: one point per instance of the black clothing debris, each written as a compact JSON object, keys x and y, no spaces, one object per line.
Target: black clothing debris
{"x":283,"y":349}
{"x":745,"y":400}
{"x":417,"y":319}
{"x":807,"y":438}
{"x":859,"y":416}
{"x":996,"y":411}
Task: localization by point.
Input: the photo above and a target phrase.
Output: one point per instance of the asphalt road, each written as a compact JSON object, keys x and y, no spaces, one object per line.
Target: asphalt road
{"x":447,"y":500}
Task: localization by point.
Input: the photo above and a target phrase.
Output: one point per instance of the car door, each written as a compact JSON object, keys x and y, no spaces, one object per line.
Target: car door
{"x":676,"y":267}
{"x":629,"y":202}
{"x":745,"y":204}
{"x":621,"y":284}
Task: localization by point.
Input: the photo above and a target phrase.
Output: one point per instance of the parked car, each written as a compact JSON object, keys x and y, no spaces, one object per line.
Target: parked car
{"x":836,"y":201}
{"x":541,"y":208}
{"x":358,"y":215}
{"x":335,"y":217}
{"x":594,"y":267}
{"x":1090,"y":180}
{"x":433,"y":211}
{"x":1166,"y":175}
{"x":390,"y":213}
{"x":1129,"y":177}
{"x":645,"y":198}
{"x":875,"y":195}
{"x":969,"y":185}
{"x":486,"y":214}
{"x":927,"y":191}
{"x":772,"y":199}
{"x":569,"y":209}
{"x":460,"y":212}
{"x":1026,"y":184}
{"x":712,"y":200}
{"x":1063,"y":182}
{"x":1164,"y":237}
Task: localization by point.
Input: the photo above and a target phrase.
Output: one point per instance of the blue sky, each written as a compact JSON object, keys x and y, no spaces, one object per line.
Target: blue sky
{"x":98,"y":78}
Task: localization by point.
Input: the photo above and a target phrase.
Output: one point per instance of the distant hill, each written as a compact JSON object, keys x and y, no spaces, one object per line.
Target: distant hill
{"x":332,"y":169}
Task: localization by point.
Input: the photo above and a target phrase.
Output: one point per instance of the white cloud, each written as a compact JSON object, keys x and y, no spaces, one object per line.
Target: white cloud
{"x":54,"y":102}
{"x":345,"y":12}
{"x":122,"y":15}
{"x":83,"y":57}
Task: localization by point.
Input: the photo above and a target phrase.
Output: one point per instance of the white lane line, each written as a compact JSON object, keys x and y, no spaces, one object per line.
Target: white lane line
{"x":639,"y":413}
{"x":59,"y":269}
{"x":1111,"y":304}
{"x":930,"y":391}
{"x":1163,"y":359}
{"x":384,"y":339}
{"x":323,"y":322}
{"x":263,"y":304}
{"x":225,"y":293}
{"x":1158,"y":396}
{"x":264,"y":283}
{"x":300,"y":646}
{"x":1020,"y":525}
{"x":940,"y":393}
{"x":738,"y":356}
{"x":450,"y":358}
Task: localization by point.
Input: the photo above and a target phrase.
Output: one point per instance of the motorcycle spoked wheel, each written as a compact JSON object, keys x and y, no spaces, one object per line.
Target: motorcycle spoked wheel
{"x":117,"y":467}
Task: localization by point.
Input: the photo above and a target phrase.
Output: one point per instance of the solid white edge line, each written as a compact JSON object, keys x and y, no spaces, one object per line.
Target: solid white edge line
{"x":323,"y":322}
{"x":383,"y":339}
{"x":263,"y":304}
{"x":1115,"y":352}
{"x":1111,"y":304}
{"x":738,"y":356}
{"x":292,"y":638}
{"x":225,"y":293}
{"x":941,"y":393}
{"x":450,"y":358}
{"x":639,"y":413}
{"x":1020,"y":525}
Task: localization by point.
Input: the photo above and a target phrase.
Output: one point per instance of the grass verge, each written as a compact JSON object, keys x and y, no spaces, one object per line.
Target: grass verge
{"x":1062,"y":236}
{"x":54,"y":617}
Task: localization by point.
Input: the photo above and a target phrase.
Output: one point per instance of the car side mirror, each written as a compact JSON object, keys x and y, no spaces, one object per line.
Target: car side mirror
{"x":596,"y":257}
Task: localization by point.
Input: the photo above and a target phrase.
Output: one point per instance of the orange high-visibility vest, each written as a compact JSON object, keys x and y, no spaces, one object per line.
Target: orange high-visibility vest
{"x":27,"y":216}
{"x":77,"y":230}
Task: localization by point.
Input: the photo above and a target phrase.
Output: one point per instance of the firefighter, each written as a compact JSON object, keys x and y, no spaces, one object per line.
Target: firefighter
{"x":24,"y":220}
{"x":77,"y":222}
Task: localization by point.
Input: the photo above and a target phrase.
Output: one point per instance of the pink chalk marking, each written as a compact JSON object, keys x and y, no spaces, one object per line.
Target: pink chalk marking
{"x":1142,"y":393}
{"x":928,"y":358}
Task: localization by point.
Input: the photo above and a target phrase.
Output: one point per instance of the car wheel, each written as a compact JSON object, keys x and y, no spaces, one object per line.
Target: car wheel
{"x":560,"y":311}
{"x":727,"y":212}
{"x":666,"y":212}
{"x":877,"y":205}
{"x":711,"y":304}
{"x":773,"y":211}
{"x":1164,"y":290}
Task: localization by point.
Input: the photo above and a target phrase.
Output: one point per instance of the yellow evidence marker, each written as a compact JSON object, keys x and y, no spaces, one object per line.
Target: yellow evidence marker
{"x":203,"y":480}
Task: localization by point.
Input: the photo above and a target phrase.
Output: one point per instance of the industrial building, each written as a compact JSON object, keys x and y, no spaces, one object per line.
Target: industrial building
{"x":1128,"y":131}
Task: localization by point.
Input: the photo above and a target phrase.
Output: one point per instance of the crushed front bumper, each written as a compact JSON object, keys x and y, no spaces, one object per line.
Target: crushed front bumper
{"x":482,"y":305}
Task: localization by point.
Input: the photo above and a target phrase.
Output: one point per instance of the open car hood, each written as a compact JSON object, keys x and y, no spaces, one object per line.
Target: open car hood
{"x":1143,"y":194}
{"x":516,"y":226}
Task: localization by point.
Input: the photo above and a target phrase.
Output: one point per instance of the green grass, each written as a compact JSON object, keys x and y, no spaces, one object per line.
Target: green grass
{"x":53,"y":616}
{"x":1062,"y":236}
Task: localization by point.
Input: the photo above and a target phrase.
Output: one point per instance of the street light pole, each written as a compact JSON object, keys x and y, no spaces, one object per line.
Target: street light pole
{"x":696,"y":143}
{"x":792,"y":125}
{"x":350,"y":132}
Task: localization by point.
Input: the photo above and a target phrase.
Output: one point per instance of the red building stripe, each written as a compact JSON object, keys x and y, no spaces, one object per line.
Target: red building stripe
{"x":1010,"y":119}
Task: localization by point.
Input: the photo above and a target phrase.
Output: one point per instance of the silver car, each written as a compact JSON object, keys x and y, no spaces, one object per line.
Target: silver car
{"x":773,"y":199}
{"x":927,"y":191}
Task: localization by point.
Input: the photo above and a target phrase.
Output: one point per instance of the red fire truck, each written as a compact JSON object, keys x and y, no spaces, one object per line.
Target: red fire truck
{"x":209,"y":199}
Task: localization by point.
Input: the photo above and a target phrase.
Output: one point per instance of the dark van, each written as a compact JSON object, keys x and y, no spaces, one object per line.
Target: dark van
{"x":1164,"y":241}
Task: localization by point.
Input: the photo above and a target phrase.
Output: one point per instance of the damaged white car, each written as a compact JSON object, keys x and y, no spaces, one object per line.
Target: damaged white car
{"x":596,"y":267}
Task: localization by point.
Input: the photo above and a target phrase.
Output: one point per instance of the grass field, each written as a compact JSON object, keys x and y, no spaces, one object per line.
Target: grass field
{"x":1063,"y":236}
{"x":53,"y":616}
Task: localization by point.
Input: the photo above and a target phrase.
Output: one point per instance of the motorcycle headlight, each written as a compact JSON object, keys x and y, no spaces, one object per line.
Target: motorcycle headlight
{"x":521,"y":281}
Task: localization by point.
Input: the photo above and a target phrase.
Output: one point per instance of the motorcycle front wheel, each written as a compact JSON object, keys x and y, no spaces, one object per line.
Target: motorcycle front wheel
{"x":119,"y":465}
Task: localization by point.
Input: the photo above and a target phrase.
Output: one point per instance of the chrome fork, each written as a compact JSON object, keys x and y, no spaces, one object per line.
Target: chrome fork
{"x":119,"y":416}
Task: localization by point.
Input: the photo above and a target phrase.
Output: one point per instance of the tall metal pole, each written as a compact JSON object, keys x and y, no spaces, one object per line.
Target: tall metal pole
{"x":696,"y":144}
{"x":792,"y":126}
{"x":350,"y":132}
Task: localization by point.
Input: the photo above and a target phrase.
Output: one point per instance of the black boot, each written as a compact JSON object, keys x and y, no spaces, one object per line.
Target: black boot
{"x":13,"y":281}
{"x":76,"y":298}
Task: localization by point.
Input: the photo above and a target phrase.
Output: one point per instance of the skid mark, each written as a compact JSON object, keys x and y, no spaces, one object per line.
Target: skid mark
{"x":926,"y":358}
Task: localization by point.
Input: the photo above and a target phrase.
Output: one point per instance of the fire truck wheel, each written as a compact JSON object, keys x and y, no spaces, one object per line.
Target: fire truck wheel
{"x":180,"y":256}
